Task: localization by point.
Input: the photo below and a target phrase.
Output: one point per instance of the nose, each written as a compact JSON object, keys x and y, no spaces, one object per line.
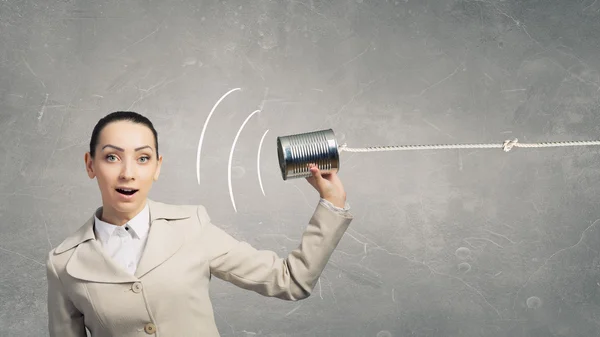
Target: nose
{"x":127,"y":170}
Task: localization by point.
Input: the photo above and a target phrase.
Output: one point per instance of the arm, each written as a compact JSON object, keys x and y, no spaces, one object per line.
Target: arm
{"x":64,"y":320}
{"x":262,"y":271}
{"x":345,"y":211}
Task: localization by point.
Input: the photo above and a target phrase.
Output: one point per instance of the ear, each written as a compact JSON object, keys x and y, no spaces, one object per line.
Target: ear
{"x":89,"y":165}
{"x":158,"y":165}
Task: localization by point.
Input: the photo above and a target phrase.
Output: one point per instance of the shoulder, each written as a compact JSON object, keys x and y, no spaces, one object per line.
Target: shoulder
{"x":82,"y":234}
{"x":158,"y":210}
{"x":58,"y":257}
{"x":169,"y":211}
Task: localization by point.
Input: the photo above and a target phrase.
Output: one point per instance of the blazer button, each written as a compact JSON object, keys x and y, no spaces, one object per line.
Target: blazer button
{"x":150,"y":328}
{"x":136,"y":287}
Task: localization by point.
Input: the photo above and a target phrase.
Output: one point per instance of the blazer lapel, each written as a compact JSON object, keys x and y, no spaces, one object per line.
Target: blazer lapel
{"x":164,"y":239}
{"x":90,"y":262}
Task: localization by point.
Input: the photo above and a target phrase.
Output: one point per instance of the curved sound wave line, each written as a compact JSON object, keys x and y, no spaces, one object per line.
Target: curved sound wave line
{"x":258,"y":162}
{"x":231,"y":156}
{"x":204,"y":130}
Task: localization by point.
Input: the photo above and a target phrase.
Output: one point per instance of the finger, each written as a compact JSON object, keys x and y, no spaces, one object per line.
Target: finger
{"x":313,"y":175}
{"x":311,"y":178}
{"x":316,"y":178}
{"x":314,"y":170}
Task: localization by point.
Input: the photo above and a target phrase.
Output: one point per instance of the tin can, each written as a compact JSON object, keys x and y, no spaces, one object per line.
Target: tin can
{"x":295,"y":152}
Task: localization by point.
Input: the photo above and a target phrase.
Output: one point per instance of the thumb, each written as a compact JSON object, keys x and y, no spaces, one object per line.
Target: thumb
{"x":315,"y":178}
{"x":316,"y":173}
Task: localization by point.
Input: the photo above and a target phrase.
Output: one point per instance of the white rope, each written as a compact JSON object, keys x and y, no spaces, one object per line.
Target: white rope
{"x":506,"y":146}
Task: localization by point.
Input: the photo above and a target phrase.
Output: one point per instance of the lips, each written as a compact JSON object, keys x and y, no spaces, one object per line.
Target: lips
{"x":126,"y":191}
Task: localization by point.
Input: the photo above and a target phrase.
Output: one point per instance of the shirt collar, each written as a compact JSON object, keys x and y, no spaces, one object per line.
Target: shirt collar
{"x":139,"y":226}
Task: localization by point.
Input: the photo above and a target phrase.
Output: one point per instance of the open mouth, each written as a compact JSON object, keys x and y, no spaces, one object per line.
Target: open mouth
{"x":126,"y":191}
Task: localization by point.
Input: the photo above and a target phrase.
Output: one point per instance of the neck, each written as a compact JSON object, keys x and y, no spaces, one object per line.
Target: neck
{"x":114,"y":217}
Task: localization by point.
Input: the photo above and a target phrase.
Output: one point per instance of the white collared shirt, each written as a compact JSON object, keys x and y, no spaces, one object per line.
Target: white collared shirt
{"x":125,"y":244}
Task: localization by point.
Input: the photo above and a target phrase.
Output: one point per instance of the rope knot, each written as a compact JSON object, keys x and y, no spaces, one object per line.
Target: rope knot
{"x":509,"y":144}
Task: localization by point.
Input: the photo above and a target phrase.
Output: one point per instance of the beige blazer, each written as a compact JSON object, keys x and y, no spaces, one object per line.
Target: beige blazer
{"x":168,"y":296}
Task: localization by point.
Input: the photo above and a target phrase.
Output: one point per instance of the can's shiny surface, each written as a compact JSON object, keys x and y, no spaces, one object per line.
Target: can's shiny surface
{"x":295,"y":152}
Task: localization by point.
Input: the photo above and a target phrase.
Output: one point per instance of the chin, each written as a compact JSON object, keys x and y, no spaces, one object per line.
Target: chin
{"x":126,"y":207}
{"x":123,"y":205}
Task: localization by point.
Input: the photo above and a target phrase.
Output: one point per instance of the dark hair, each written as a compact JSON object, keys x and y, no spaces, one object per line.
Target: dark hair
{"x":117,"y":116}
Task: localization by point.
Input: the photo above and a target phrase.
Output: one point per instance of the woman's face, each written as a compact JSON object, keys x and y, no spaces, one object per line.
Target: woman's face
{"x":125,"y":166}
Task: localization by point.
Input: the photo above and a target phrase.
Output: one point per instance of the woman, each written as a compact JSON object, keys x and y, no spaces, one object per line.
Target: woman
{"x":139,"y":266}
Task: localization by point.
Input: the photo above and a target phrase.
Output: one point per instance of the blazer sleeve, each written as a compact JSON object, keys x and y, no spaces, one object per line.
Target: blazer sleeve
{"x":263,"y":271}
{"x":64,"y":320}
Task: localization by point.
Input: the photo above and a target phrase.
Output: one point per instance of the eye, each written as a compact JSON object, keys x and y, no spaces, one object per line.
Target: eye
{"x":111,"y":156}
{"x":145,"y":157}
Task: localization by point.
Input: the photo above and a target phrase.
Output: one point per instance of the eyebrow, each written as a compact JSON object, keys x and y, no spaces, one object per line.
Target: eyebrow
{"x":120,"y":149}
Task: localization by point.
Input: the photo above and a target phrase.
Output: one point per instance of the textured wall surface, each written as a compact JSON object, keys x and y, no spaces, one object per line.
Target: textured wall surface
{"x":445,"y":243}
